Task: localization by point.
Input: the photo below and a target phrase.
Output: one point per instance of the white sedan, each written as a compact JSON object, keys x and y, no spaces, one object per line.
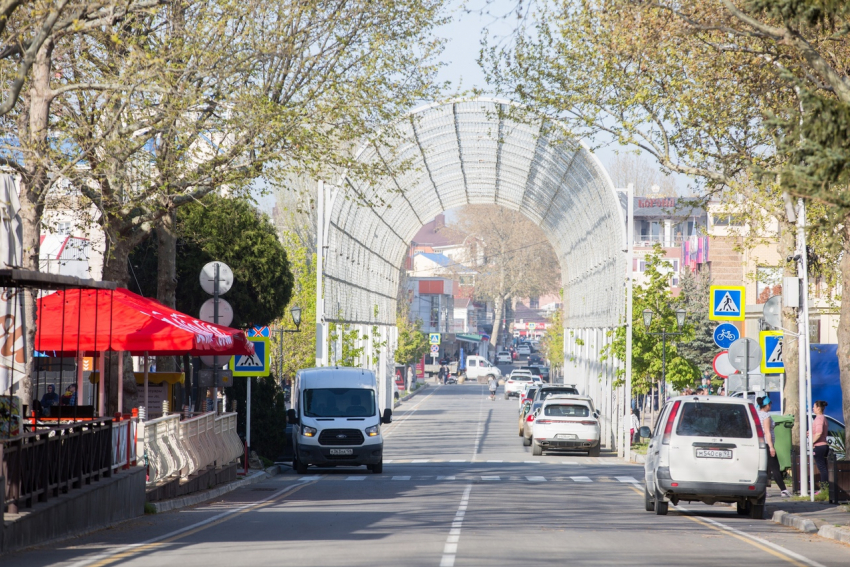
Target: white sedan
{"x":504,"y":357}
{"x":566,"y":423}
{"x":517,"y":380}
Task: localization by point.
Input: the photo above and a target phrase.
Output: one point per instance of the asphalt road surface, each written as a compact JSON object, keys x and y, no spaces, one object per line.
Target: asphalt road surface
{"x":458,"y":489}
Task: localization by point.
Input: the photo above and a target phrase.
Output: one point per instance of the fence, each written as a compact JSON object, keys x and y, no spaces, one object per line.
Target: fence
{"x":176,"y":448}
{"x":124,"y":441}
{"x":42,"y":464}
{"x":839,"y":477}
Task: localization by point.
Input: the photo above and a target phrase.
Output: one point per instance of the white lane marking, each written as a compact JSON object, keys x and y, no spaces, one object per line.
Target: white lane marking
{"x":355,"y":478}
{"x":450,"y":549}
{"x":536,"y":478}
{"x":580,"y":479}
{"x":388,"y":462}
{"x":401,"y":478}
{"x":770,"y":544}
{"x":491,"y":478}
{"x":417,"y":461}
{"x":494,"y":461}
{"x":409,"y":414}
{"x":532,"y":462}
{"x":125,"y":548}
{"x":630,"y":479}
{"x":568,"y":463}
{"x":458,"y":461}
{"x":445,"y":478}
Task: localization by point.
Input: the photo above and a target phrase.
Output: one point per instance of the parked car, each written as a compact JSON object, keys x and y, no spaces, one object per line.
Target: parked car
{"x":546,"y":391}
{"x":516,"y":380}
{"x":523,"y":349}
{"x":566,"y":422}
{"x":535,"y":359}
{"x":541,"y":371}
{"x":479,"y":368}
{"x":504,"y":357}
{"x":527,"y":393}
{"x":707,"y":449}
{"x":523,"y":413}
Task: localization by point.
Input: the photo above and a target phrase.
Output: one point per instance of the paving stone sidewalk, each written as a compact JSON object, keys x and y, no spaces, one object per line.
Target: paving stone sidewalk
{"x":831,"y":521}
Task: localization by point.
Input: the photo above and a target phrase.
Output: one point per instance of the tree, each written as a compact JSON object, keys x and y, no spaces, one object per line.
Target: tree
{"x":234,"y":232}
{"x":520,"y":262}
{"x":412,"y":343}
{"x":553,"y":340}
{"x":268,"y":414}
{"x":694,"y":298}
{"x":647,"y":348}
{"x":294,"y":351}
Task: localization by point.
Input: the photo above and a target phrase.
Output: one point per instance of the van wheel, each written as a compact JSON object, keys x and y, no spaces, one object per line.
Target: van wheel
{"x":536,"y":449}
{"x":743,"y":508}
{"x":594,"y":451}
{"x":661,"y":507}
{"x":299,"y":466}
{"x":648,"y":503}
{"x":526,"y":442}
{"x":377,"y":468}
{"x":757,"y":509}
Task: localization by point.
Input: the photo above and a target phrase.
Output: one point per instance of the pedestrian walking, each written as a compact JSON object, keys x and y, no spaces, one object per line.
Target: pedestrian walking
{"x":494,"y":385}
{"x":409,"y":378}
{"x":635,"y":429}
{"x":819,"y":442}
{"x":767,"y":425}
{"x":441,"y":375}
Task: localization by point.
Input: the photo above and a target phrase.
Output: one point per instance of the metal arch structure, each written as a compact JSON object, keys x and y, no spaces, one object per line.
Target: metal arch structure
{"x":471,"y":152}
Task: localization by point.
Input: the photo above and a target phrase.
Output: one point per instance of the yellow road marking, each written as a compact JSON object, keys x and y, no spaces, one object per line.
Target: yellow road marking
{"x":154,"y":545}
{"x":736,"y":536}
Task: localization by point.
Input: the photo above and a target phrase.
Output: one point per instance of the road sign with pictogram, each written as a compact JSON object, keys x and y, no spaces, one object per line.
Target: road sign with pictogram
{"x":727,"y":303}
{"x":434,"y":338}
{"x":771,"y":346}
{"x":435,"y":350}
{"x":725,"y":334}
{"x":259,"y":331}
{"x":257,"y":364}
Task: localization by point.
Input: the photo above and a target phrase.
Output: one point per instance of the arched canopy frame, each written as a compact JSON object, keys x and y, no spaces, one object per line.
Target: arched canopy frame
{"x":474,"y":152}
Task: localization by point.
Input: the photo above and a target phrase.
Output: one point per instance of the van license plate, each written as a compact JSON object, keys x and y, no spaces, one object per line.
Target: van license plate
{"x":342,"y":451}
{"x":566,"y":436}
{"x":713,"y":454}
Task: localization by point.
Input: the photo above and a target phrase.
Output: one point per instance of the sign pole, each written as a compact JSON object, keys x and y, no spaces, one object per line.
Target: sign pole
{"x":630,"y":236}
{"x":248,"y":415}
{"x":215,"y":358}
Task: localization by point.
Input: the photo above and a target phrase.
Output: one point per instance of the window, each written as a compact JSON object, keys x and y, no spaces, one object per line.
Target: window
{"x":473,"y":363}
{"x":64,"y":228}
{"x":339,"y":402}
{"x":714,"y":420}
{"x":642,"y":266}
{"x":566,"y":411}
{"x":727,"y":220}
{"x":768,"y":282}
{"x":534,"y":302}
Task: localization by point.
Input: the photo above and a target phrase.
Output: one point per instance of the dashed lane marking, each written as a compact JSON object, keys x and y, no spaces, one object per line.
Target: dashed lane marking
{"x":355,"y":478}
{"x":491,"y":478}
{"x":630,"y":479}
{"x":401,"y":478}
{"x":581,"y":479}
{"x":452,"y":541}
{"x":536,"y":478}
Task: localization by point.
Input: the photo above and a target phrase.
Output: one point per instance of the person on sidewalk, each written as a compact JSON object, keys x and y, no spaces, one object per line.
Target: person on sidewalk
{"x":767,"y":425}
{"x":821,"y":447}
{"x":635,"y":428}
{"x":409,"y":378}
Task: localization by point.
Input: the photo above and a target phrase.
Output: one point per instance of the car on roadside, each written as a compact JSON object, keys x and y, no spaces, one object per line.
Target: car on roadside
{"x":516,"y":380}
{"x":706,"y":449}
{"x":523,"y":349}
{"x":566,"y":423}
{"x":504,"y":357}
{"x":527,"y":393}
{"x":535,"y":359}
{"x":541,"y":371}
{"x":523,"y":413}
{"x":480,"y":369}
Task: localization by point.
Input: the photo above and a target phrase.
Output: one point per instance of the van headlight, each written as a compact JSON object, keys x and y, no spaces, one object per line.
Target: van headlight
{"x":308,"y":431}
{"x":373,"y":431}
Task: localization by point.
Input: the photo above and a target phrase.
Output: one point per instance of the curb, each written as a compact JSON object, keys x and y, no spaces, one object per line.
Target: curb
{"x":638,"y":459}
{"x":199,"y":497}
{"x":835,"y":533}
{"x":410,"y":395}
{"x":794,"y":521}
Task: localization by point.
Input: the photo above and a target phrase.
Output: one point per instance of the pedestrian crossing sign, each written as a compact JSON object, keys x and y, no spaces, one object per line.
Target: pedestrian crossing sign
{"x":771,"y":346}
{"x":727,"y":303}
{"x":257,"y":364}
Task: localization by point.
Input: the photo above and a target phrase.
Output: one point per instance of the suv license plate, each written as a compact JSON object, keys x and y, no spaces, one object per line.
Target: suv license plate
{"x":566,"y":436}
{"x":713,"y":454}
{"x":342,"y":451}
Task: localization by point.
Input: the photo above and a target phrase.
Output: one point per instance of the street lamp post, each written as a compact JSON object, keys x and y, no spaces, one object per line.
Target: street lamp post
{"x":647,"y":321}
{"x":296,"y":318}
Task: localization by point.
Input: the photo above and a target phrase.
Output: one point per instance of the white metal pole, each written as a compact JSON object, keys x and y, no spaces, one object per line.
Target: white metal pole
{"x":121,"y":381}
{"x":803,"y":355}
{"x":630,"y":232}
{"x":147,"y":407}
{"x":248,"y":413}
{"x":321,"y":343}
{"x":804,"y":336}
{"x":101,"y":384}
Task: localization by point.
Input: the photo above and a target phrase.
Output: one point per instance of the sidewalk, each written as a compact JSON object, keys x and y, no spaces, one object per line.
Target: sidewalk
{"x":831,"y":521}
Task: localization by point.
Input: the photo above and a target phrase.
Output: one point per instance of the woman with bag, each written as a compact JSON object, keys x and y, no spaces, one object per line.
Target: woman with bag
{"x":820,"y":428}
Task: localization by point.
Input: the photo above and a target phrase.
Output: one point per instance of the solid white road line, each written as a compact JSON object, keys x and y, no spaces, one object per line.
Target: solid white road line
{"x":490,"y":478}
{"x":401,"y":478}
{"x":450,"y":549}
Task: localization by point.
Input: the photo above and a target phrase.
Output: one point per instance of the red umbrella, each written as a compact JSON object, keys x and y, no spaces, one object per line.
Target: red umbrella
{"x":88,"y":320}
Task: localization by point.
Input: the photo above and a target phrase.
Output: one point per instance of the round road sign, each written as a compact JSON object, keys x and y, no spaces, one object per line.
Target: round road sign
{"x":773,"y":312}
{"x":722,"y":365}
{"x":745,"y":354}
{"x":725,"y":334}
{"x":225,"y":312}
{"x":225,"y":278}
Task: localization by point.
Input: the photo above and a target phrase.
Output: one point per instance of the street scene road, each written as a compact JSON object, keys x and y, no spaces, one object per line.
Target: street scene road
{"x":458,"y":488}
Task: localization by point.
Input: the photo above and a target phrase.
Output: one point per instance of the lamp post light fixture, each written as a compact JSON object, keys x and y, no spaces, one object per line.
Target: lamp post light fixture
{"x":681,"y":314}
{"x":295,"y":311}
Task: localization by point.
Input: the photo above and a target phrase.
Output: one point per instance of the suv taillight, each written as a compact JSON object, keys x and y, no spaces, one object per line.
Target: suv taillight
{"x":668,"y":428}
{"x":759,"y":429}
{"x":530,"y":417}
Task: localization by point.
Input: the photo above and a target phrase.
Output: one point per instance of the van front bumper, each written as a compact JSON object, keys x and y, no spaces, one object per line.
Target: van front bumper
{"x":321,"y":455}
{"x":719,"y":489}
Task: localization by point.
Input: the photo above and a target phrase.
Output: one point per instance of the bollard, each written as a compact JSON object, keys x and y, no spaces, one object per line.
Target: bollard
{"x":142,"y":413}
{"x":166,"y":407}
{"x":186,"y":413}
{"x":233,"y":406}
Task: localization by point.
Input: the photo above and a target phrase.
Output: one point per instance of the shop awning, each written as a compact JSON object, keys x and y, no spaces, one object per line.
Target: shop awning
{"x":469,"y":337}
{"x":88,"y":320}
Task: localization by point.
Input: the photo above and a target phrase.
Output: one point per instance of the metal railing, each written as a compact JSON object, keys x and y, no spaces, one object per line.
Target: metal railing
{"x":124,"y":430}
{"x":42,"y":464}
{"x":175,"y":448}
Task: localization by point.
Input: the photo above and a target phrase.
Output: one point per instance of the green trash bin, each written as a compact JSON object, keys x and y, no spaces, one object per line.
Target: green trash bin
{"x":783,"y":426}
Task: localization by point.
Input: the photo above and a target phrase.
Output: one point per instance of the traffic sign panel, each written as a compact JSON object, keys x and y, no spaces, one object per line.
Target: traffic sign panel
{"x":771,"y":346}
{"x":725,"y":334}
{"x":727,"y":303}
{"x":257,"y":364}
{"x":722,"y":365}
{"x":434,"y":338}
{"x":259,"y":331}
{"x":435,"y":349}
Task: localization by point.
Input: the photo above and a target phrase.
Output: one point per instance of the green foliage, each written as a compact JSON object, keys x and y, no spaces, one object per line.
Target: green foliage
{"x":234,"y":232}
{"x":694,"y":298}
{"x":350,"y":336}
{"x":268,"y":414}
{"x":646,"y":347}
{"x":412,"y":343}
{"x":553,"y":340}
{"x":299,"y":349}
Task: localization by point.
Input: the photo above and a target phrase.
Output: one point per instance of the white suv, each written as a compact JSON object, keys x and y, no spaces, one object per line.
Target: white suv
{"x":706,"y":449}
{"x":566,"y":422}
{"x":504,"y":357}
{"x":517,"y":380}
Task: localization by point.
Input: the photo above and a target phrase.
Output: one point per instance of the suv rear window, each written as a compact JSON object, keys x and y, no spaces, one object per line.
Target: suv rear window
{"x":546,"y":392}
{"x":558,"y":410}
{"x":714,"y":420}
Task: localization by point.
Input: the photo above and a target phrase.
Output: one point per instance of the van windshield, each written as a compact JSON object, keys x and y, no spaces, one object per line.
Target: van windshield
{"x":714,"y":420}
{"x":339,"y":402}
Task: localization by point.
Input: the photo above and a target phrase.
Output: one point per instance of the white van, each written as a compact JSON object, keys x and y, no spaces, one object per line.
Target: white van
{"x":479,"y":368}
{"x":706,"y":449}
{"x":336,"y":419}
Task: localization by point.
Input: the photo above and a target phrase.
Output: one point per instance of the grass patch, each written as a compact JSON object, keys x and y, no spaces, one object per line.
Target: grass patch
{"x":640,"y":448}
{"x":266,"y":462}
{"x":150,"y":508}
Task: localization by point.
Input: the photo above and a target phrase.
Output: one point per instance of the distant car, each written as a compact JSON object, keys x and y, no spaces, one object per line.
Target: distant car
{"x":706,"y":449}
{"x":504,"y":357}
{"x":527,"y":393}
{"x":536,"y":370}
{"x":523,"y":350}
{"x":547,"y":391}
{"x":517,"y":380}
{"x":568,"y":423}
{"x":523,"y":413}
{"x":535,"y":359}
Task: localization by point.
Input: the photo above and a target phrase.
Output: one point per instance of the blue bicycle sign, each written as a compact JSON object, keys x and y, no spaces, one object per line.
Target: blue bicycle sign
{"x":725,"y":334}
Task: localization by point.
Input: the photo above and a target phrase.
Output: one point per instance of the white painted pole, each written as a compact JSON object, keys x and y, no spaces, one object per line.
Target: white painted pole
{"x":804,"y":338}
{"x":147,"y":407}
{"x":101,"y":385}
{"x":248,"y":413}
{"x":79,"y":399}
{"x":120,"y":381}
{"x":803,"y":355}
{"x":630,"y":232}
{"x":321,"y":336}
